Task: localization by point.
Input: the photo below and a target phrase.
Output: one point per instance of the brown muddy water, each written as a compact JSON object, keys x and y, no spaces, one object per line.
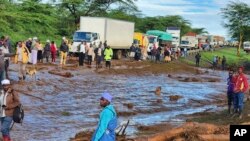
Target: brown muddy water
{"x":61,"y":107}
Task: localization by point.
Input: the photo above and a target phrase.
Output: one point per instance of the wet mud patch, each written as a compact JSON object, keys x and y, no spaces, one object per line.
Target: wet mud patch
{"x":60,"y":73}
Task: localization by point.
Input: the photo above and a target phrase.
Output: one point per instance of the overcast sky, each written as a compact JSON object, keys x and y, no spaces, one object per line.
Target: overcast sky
{"x":201,"y":13}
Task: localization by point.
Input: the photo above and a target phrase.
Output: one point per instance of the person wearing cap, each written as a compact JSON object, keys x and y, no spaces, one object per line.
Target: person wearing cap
{"x":108,"y":120}
{"x":9,"y":99}
{"x":46,"y":52}
{"x":108,"y":54}
{"x":241,"y":86}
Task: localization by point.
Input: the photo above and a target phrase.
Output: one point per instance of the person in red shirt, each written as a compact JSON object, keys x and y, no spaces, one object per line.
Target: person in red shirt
{"x":241,"y":86}
{"x":53,"y":50}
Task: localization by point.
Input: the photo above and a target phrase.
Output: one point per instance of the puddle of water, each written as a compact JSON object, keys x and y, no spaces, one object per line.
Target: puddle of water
{"x":72,"y":104}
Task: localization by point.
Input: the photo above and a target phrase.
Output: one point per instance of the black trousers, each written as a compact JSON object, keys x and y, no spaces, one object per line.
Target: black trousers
{"x":81,"y":58}
{"x":108,"y":64}
{"x":89,"y":59}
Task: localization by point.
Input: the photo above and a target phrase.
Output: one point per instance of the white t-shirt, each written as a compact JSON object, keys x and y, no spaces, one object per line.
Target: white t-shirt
{"x":82,"y":48}
{"x":19,"y":52}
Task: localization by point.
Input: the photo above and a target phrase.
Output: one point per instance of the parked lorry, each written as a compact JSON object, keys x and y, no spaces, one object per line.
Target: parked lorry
{"x":140,"y":39}
{"x":117,"y":33}
{"x":158,"y":38}
{"x":246,"y":46}
{"x":176,"y":33}
{"x":189,"y":42}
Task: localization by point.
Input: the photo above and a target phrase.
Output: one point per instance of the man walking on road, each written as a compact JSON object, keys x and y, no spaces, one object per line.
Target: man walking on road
{"x":241,"y":86}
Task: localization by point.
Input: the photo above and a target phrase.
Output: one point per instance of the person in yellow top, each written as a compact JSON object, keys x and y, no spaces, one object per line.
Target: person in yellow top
{"x":108,"y":53}
{"x":64,"y":48}
{"x":21,"y":58}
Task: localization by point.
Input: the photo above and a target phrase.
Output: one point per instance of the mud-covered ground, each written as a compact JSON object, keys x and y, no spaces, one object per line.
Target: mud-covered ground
{"x":64,"y":101}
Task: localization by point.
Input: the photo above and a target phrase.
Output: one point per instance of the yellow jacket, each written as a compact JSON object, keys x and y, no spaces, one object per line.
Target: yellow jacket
{"x":25,"y":55}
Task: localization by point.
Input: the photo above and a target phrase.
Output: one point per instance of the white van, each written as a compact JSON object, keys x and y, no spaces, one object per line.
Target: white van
{"x":246,"y":46}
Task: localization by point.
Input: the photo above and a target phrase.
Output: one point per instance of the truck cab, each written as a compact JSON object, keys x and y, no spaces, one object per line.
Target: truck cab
{"x":89,"y":37}
{"x":246,"y":46}
{"x":185,"y":44}
{"x":153,"y":40}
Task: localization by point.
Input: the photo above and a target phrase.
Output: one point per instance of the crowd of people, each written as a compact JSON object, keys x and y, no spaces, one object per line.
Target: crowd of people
{"x":33,"y":52}
{"x":163,"y":53}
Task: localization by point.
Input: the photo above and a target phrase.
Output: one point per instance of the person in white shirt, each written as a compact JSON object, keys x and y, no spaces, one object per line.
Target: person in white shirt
{"x":9,"y":99}
{"x":90,"y":54}
{"x":82,"y":51}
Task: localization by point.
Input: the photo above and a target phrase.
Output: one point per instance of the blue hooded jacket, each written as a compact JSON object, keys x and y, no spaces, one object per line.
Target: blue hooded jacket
{"x":106,"y":126}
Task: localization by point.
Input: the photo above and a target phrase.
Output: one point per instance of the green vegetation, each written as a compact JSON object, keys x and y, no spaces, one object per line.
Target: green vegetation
{"x":237,"y":21}
{"x":229,"y":53}
{"x":21,"y":19}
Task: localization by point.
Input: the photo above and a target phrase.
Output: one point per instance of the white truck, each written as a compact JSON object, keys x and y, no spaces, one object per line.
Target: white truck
{"x":176,"y":33}
{"x":118,"y":34}
{"x":246,"y":46}
{"x":189,"y":42}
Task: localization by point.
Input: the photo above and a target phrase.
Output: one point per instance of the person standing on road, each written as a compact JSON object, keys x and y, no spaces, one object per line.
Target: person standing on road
{"x":5,"y":51}
{"x":223,"y":63}
{"x":197,"y":59}
{"x":241,"y":86}
{"x":53,"y":50}
{"x":90,"y":54}
{"x":108,"y":53}
{"x":82,"y":50}
{"x":8,"y":101}
{"x":64,"y":50}
{"x":3,"y":70}
{"x":46,"y":52}
{"x":185,"y":52}
{"x":22,"y":58}
{"x":98,"y":57}
{"x":132,"y":51}
{"x":108,"y":120}
{"x":230,"y":90}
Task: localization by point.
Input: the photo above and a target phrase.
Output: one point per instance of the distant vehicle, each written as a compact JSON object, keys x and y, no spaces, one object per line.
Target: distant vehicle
{"x":175,"y":32}
{"x":246,"y":46}
{"x":153,"y":41}
{"x":140,"y":39}
{"x":117,"y":33}
{"x":191,"y":42}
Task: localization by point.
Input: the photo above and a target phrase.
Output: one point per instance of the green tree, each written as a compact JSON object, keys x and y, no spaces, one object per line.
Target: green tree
{"x":77,"y":8}
{"x":162,"y":22}
{"x":237,"y":20}
{"x":199,"y":30}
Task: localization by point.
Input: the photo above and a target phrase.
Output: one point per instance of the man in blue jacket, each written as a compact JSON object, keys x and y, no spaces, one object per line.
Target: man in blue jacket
{"x":108,"y":120}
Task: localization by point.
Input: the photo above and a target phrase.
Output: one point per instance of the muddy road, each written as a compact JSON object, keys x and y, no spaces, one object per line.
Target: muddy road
{"x":58,"y":107}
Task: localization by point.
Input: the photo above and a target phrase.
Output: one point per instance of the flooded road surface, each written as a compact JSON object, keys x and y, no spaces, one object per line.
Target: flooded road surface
{"x":61,"y":107}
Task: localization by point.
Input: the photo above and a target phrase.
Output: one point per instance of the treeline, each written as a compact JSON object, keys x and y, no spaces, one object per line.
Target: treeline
{"x":21,"y":19}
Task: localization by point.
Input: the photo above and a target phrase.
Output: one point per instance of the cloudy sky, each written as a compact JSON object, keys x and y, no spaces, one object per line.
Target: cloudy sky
{"x":201,"y":13}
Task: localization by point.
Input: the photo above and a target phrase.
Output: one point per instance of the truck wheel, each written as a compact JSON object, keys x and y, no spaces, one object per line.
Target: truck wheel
{"x":119,"y":54}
